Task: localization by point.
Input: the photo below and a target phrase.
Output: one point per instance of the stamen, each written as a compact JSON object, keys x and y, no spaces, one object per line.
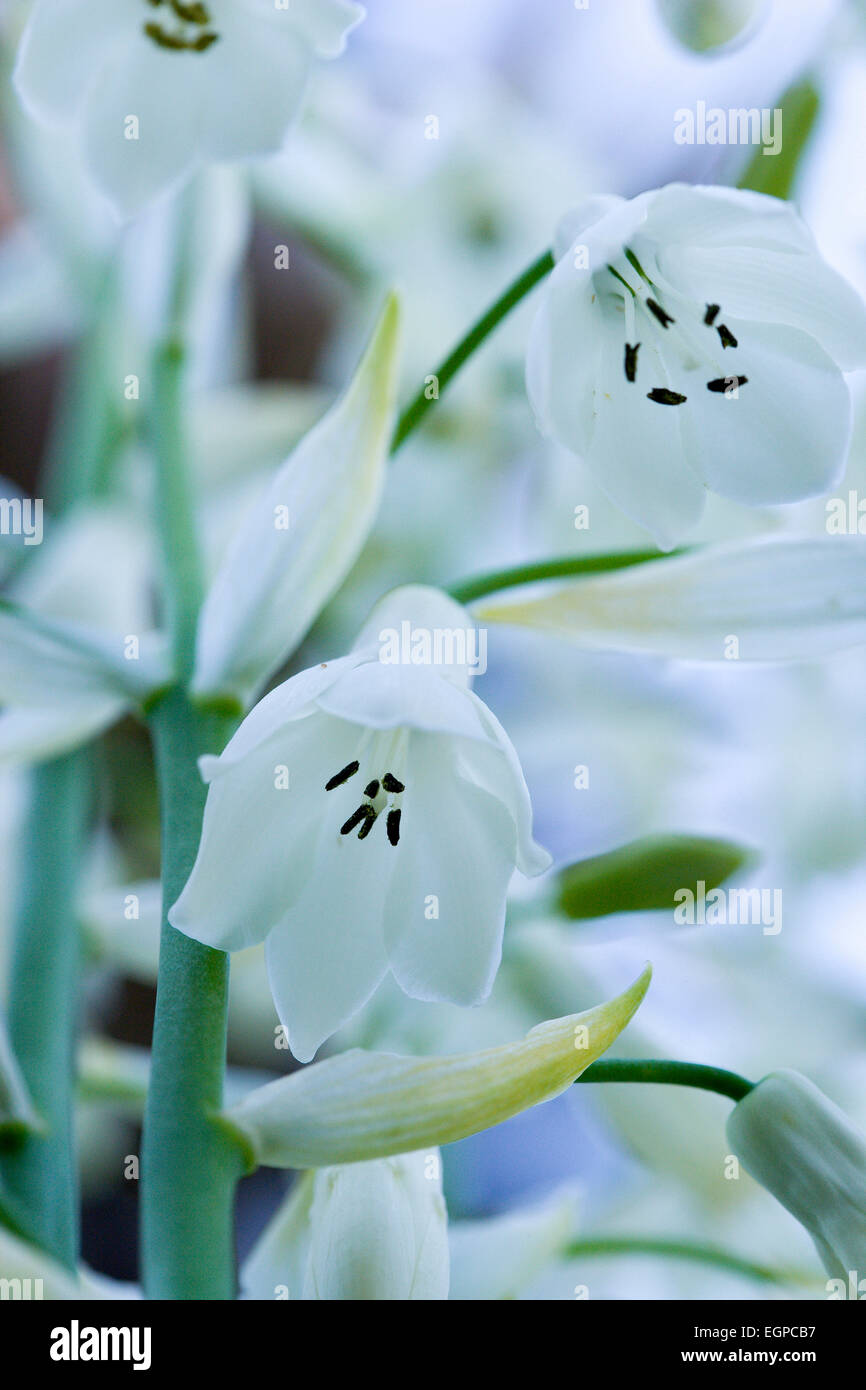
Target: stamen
{"x":633,"y":261}
{"x":163,"y":39}
{"x":190,"y":14}
{"x":724,"y":383}
{"x":662,"y":396}
{"x":390,"y":783}
{"x":392,"y":826}
{"x":710,"y":315}
{"x":187,"y":12}
{"x":343,"y":776}
{"x":663,"y":317}
{"x":727,"y":337}
{"x":631,"y":361}
{"x":364,"y":813}
{"x":372,"y":789}
{"x":368,"y":824}
{"x":622,"y":281}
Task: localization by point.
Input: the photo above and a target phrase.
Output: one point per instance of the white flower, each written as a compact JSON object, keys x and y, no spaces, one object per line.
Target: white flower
{"x":801,"y":1147}
{"x":692,"y":339}
{"x":361,"y":1105}
{"x":75,"y":652}
{"x":363,"y":1231}
{"x":762,"y":600}
{"x":300,"y":539}
{"x":160,"y":86}
{"x":366,"y":816}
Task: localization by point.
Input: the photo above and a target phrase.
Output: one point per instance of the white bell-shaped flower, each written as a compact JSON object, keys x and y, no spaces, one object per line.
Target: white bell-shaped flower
{"x":360,"y":1231}
{"x":367,"y":816}
{"x":693,"y":339}
{"x":157,"y":87}
{"x":801,"y":1147}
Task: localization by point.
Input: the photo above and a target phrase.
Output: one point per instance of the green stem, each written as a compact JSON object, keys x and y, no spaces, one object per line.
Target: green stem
{"x":664,"y":1073}
{"x":90,"y":426}
{"x":563,"y":567}
{"x":184,"y":585}
{"x":40,"y":1179}
{"x":190,"y":1164}
{"x":519,"y":289}
{"x":679,"y":1250}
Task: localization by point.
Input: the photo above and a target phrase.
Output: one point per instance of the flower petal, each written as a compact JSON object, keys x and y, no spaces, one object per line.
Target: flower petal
{"x":66,"y":45}
{"x":134,"y":170}
{"x":445,"y":911}
{"x":324,"y":25}
{"x":292,"y":700}
{"x":379,"y":1232}
{"x":258,"y":835}
{"x":265,"y":67}
{"x":782,"y":600}
{"x":366,"y":1105}
{"x":30,"y":735}
{"x":274,"y":581}
{"x":801,"y":1147}
{"x":327,"y":955}
{"x":381,"y":696}
{"x":780,"y":437}
{"x":636,"y":449}
{"x":417,"y":612}
{"x":796,"y":289}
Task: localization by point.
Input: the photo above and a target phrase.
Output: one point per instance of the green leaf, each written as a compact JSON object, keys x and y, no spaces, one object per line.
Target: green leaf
{"x":645,"y":874}
{"x":775,"y":174}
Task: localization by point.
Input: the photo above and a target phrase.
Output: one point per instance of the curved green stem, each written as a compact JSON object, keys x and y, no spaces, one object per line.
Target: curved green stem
{"x":40,"y":1178}
{"x":562,"y":567}
{"x":664,"y":1073}
{"x":680,"y":1250}
{"x":190,"y":1164}
{"x":519,"y":289}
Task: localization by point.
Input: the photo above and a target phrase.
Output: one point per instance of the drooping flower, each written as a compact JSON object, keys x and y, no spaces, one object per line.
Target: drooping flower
{"x":770,"y":599}
{"x":801,"y":1147}
{"x":367,"y":815}
{"x":690,"y":339}
{"x":360,"y":1231}
{"x":160,"y":86}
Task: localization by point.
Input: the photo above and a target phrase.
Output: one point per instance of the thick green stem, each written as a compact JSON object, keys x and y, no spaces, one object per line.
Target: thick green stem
{"x":680,"y":1250}
{"x":563,"y":567}
{"x":518,"y":290}
{"x":664,"y":1073}
{"x":190,"y":1163}
{"x":40,"y":1180}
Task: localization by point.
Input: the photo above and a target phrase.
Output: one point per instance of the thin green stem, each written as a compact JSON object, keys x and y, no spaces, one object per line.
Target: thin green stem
{"x":664,"y":1073}
{"x":40,"y":1180}
{"x":680,"y":1250}
{"x":423,"y":401}
{"x":563,"y":567}
{"x":190,"y":1164}
{"x":91,"y":424}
